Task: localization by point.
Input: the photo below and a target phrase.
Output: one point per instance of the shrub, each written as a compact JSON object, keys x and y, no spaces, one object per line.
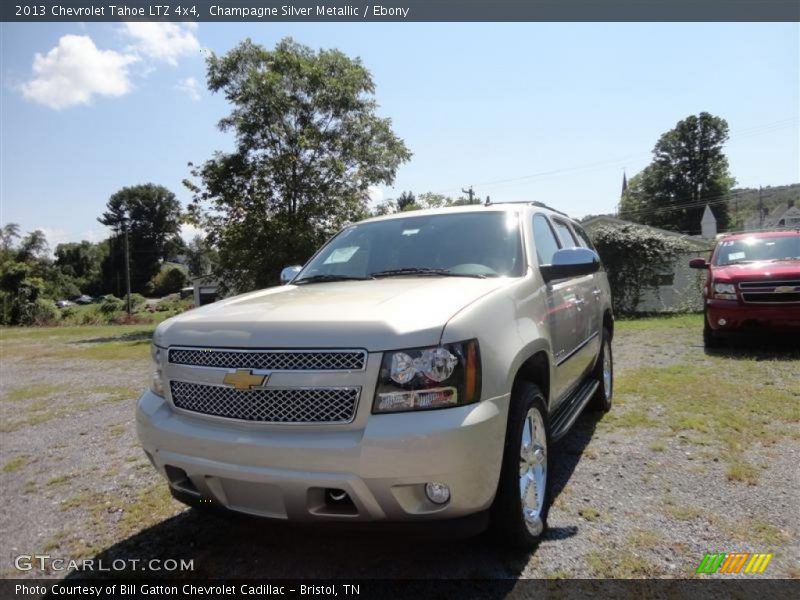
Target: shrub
{"x":169,"y":281}
{"x":634,"y":256}
{"x":111,"y":304}
{"x":44,"y":312}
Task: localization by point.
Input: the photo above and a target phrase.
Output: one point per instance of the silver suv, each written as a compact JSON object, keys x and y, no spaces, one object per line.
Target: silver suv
{"x":418,"y":368}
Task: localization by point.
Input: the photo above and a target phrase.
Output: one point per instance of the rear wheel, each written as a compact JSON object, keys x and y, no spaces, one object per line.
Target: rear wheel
{"x":519,"y":512}
{"x":604,"y":374}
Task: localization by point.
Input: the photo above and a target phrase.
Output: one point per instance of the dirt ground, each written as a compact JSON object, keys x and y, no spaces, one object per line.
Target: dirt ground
{"x":699,"y":454}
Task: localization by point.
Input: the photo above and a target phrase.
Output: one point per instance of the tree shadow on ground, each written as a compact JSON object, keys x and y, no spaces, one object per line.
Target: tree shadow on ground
{"x":134,"y":336}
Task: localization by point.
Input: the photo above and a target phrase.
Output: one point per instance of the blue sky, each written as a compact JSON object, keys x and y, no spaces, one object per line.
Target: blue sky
{"x":549,"y":112}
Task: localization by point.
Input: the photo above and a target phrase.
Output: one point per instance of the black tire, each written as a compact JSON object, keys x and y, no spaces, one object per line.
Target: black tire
{"x":601,"y":401}
{"x":710,"y":338}
{"x":507,"y":522}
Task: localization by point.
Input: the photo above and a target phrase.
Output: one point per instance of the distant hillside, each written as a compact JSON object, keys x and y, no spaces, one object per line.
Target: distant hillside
{"x":744,"y":202}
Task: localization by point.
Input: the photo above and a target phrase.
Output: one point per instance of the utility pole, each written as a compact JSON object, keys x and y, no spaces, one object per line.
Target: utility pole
{"x":127,"y":269}
{"x":470,"y":192}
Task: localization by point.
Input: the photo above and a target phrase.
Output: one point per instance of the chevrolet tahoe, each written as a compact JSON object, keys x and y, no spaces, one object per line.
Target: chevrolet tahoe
{"x":418,"y":368}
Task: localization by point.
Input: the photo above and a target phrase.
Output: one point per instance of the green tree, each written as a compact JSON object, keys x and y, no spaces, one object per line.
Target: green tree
{"x":8,"y":236}
{"x":309,"y":143}
{"x":169,"y":281}
{"x":689,"y":169}
{"x":33,"y":247}
{"x":152,"y":215}
{"x":201,"y":258}
{"x":406,"y":199}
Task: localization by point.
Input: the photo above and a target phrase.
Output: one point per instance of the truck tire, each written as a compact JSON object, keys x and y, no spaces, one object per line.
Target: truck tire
{"x":604,"y":374}
{"x":710,"y":339}
{"x":519,"y":512}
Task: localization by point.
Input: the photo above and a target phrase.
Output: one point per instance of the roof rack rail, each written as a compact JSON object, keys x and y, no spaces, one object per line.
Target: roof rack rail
{"x":530,"y":202}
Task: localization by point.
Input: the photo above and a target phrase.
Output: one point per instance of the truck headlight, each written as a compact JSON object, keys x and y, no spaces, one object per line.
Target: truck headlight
{"x":724,"y":291}
{"x":429,"y":378}
{"x":157,"y":379}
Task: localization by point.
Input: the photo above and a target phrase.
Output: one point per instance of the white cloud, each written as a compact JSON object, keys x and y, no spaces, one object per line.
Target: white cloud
{"x":188,"y":232}
{"x":163,"y":41}
{"x":75,"y":71}
{"x":375,"y":196}
{"x":190,"y":87}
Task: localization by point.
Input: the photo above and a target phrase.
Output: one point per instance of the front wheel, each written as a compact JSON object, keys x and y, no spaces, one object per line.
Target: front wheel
{"x":519,"y":512}
{"x":710,"y":339}
{"x":604,"y":374}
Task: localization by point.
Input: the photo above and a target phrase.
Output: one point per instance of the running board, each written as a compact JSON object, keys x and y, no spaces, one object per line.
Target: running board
{"x":571,"y":408}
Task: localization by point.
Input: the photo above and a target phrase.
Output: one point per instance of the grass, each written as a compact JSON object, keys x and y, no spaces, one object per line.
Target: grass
{"x":31,"y":392}
{"x":742,"y":471}
{"x":624,"y":564}
{"x":589,"y":513}
{"x":15,"y":464}
{"x":730,"y":404}
{"x":59,"y":480}
{"x":680,"y":321}
{"x":64,"y":403}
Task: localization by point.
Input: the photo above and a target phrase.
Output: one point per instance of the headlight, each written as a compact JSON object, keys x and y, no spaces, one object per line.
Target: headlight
{"x":724,"y":288}
{"x":157,"y":379}
{"x":724,"y":291}
{"x":429,"y":378}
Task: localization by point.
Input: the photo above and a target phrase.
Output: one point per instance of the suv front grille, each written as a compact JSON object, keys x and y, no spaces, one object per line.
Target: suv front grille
{"x":292,"y":405}
{"x":770,"y":292}
{"x":271,"y":360}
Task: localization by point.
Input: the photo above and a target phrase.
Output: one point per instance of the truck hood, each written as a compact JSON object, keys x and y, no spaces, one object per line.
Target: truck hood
{"x":766,"y":270}
{"x":377,"y":315}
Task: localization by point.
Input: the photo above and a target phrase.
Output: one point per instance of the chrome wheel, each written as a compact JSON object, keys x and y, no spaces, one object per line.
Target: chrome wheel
{"x":533,"y":470}
{"x":607,"y":372}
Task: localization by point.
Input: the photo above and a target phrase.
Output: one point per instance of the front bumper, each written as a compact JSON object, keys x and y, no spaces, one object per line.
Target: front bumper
{"x":738,"y":316}
{"x":283,"y":472}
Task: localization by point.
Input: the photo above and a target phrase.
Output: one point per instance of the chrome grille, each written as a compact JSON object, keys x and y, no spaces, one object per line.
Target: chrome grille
{"x":767,"y":292}
{"x":271,"y":360}
{"x":291,"y":405}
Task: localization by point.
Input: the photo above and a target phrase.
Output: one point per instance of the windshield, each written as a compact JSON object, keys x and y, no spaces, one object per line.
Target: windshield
{"x":754,"y":248}
{"x":472,"y":244}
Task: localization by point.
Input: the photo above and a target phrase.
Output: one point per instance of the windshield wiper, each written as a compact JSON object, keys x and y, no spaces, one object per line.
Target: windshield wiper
{"x":326,"y":278}
{"x":424,"y":271}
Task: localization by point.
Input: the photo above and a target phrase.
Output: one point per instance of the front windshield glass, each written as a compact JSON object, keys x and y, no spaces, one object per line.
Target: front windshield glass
{"x":469,"y":244}
{"x":754,"y":249}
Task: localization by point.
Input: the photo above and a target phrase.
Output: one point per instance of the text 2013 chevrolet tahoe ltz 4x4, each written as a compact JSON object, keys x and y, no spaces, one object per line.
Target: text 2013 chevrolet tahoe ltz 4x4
{"x":418,"y":368}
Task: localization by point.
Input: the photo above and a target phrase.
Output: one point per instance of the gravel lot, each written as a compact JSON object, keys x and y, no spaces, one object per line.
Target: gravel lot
{"x":699,"y":454}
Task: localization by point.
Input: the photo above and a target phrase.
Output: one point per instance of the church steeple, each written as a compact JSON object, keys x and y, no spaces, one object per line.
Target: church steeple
{"x":624,"y":184}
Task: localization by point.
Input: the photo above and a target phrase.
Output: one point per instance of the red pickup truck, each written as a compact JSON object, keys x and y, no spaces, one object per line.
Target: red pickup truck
{"x":753,"y":284}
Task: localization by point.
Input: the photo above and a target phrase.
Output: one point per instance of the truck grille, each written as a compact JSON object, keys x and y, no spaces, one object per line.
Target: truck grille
{"x":271,"y":360}
{"x":292,"y":405}
{"x":770,"y":292}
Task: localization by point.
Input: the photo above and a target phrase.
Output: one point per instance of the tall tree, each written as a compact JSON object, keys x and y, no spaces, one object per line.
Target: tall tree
{"x":200,"y":257}
{"x":309,"y":143}
{"x":153,"y":217}
{"x":8,"y":236}
{"x":33,"y":247}
{"x":689,"y":170}
{"x":405,"y":200}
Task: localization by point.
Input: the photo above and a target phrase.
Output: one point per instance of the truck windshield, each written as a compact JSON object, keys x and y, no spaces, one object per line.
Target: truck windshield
{"x":468,"y":244}
{"x":754,"y":249}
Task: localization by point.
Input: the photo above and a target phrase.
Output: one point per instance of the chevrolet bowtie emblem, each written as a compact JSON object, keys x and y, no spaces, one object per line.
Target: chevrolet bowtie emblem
{"x":244,"y":379}
{"x":784,"y":289}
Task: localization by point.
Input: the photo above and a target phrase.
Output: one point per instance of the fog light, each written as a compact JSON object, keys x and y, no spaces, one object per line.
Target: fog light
{"x":438,"y":493}
{"x":722,"y":322}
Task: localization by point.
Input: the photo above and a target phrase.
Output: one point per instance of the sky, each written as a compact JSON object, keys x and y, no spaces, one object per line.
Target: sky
{"x":520,"y":111}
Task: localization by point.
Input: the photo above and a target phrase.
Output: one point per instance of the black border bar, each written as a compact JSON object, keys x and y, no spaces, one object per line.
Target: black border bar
{"x":267,"y":11}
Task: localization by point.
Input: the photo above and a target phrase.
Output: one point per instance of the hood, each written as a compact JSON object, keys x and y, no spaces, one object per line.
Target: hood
{"x":377,"y":315}
{"x":766,"y":270}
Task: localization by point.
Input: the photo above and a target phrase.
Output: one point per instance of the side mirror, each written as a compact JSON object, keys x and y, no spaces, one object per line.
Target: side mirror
{"x":289,"y":273}
{"x":571,"y":262}
{"x":698,"y":263}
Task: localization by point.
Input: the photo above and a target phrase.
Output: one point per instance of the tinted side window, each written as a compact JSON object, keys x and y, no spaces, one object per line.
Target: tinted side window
{"x":544,"y":239}
{"x":583,"y":238}
{"x":567,"y":239}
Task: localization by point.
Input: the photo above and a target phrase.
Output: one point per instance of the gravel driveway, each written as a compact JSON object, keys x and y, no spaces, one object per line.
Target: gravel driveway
{"x":699,"y":454}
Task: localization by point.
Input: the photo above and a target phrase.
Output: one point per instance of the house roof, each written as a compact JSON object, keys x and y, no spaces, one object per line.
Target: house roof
{"x":595,"y":222}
